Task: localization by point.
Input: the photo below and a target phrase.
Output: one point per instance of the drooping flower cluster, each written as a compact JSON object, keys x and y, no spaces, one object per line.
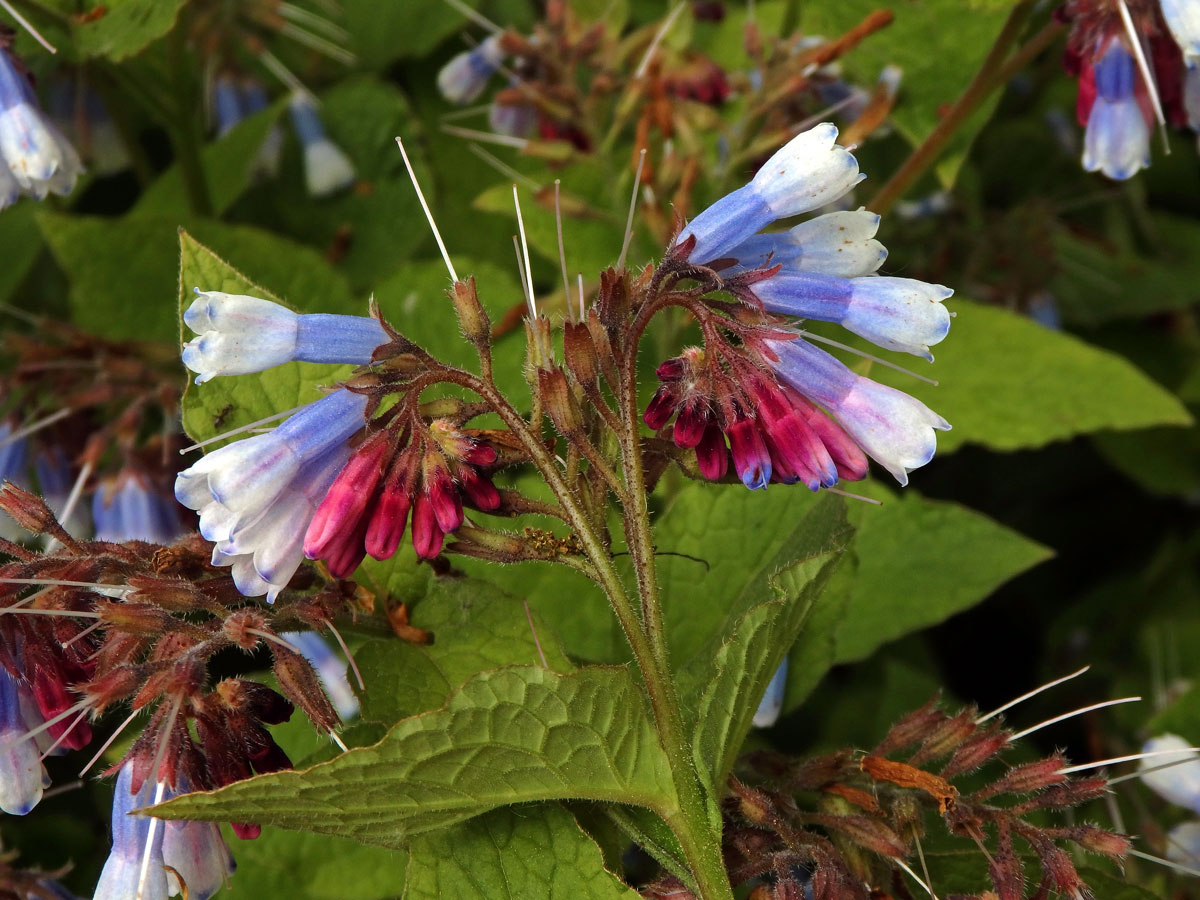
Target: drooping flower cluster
{"x":763,"y":392}
{"x":1138,"y":61}
{"x":35,"y":158}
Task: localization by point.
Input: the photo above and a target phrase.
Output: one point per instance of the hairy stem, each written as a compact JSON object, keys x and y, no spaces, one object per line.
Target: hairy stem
{"x":981,"y":86}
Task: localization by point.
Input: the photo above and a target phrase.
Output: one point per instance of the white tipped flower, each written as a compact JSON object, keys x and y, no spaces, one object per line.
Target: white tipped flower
{"x":1183,"y":844}
{"x":22,"y":775}
{"x":1179,"y":784}
{"x":326,"y":168}
{"x":894,"y":429}
{"x":463,"y":79}
{"x":1183,"y":19}
{"x":807,"y":172}
{"x":771,"y":704}
{"x":837,"y":243}
{"x":1117,"y":139}
{"x":33,"y":152}
{"x":240,"y":334}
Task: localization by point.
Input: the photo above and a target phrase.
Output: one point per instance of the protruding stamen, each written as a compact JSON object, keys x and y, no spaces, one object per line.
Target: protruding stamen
{"x":437,"y":235}
{"x":1129,"y":758}
{"x":108,"y":590}
{"x":64,"y":613}
{"x":521,"y":272}
{"x":159,"y":789}
{"x":82,"y":634}
{"x":337,"y":740}
{"x":1037,"y":690}
{"x":24,"y":23}
{"x":658,"y":39}
{"x":239,"y":430}
{"x":637,"y":183}
{"x":562,"y":253}
{"x":915,"y":877}
{"x":504,"y":168}
{"x":33,"y":427}
{"x":1140,"y":772}
{"x":853,"y":496}
{"x":475,"y":16}
{"x":66,"y":732}
{"x":1071,"y":714}
{"x":1178,"y":867}
{"x":875,"y":359}
{"x":349,"y":657}
{"x":85,"y":472}
{"x":582,"y":311}
{"x":488,"y":137}
{"x":283,"y":73}
{"x":525,"y":252}
{"x":536,"y":642}
{"x":1139,"y":54}
{"x":108,"y":743}
{"x":312,"y":20}
{"x":318,"y":43}
{"x":45,"y":726}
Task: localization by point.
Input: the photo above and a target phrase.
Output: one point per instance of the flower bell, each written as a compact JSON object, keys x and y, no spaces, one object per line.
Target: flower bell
{"x":22,"y":775}
{"x":35,"y":158}
{"x":327,"y":169}
{"x":463,"y":79}
{"x":128,"y":508}
{"x":1115,"y":109}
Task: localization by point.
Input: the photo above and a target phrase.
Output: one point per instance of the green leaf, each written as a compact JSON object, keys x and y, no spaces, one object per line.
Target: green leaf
{"x":315,"y":867}
{"x":382,"y":32}
{"x":22,"y":243}
{"x":1008,"y":383}
{"x":1182,"y":717}
{"x":525,"y":854}
{"x":510,"y":736}
{"x":124,"y":27}
{"x":229,"y":167}
{"x":476,"y":626}
{"x":920,"y":561}
{"x":753,"y":649}
{"x":938,"y":61}
{"x":230,"y":402}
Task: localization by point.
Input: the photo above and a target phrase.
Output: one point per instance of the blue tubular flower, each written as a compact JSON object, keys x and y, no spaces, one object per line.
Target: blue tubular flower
{"x":894,"y":429}
{"x":255,"y":496}
{"x":898,"y":313}
{"x":125,"y":508}
{"x":1191,"y":96}
{"x":463,"y":78}
{"x":838,"y":243}
{"x":194,"y":854}
{"x":265,"y":554}
{"x":1117,"y":140}
{"x":805,"y":174}
{"x":33,"y":153}
{"x":22,"y":775}
{"x":134,"y":867}
{"x":227,"y":103}
{"x":330,"y":669}
{"x":240,"y":334}
{"x":771,"y":704}
{"x":326,"y":168}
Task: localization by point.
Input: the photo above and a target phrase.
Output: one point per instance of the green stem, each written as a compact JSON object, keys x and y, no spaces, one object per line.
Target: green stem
{"x":977,"y":91}
{"x":700,"y":842}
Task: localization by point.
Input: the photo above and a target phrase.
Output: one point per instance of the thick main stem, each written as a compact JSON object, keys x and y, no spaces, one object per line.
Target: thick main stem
{"x":977,"y":91}
{"x":700,"y":842}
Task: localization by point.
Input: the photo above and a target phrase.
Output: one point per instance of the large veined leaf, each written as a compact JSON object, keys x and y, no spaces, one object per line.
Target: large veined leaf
{"x":1008,"y":383}
{"x":512,"y":855}
{"x":753,"y":649}
{"x":510,"y":736}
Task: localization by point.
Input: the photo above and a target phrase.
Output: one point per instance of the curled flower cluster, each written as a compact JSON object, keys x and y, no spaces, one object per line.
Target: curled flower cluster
{"x":766,"y":394}
{"x":35,"y":158}
{"x":1134,"y":67}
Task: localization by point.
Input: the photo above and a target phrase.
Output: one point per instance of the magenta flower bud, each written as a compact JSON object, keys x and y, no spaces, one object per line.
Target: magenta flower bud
{"x":661,"y":407}
{"x":389,"y":518}
{"x":751,"y":460}
{"x":442,"y":493}
{"x":479,"y":489}
{"x":348,"y":499}
{"x":690,"y":423}
{"x":426,"y":536}
{"x":711,"y":456}
{"x":477,"y":453}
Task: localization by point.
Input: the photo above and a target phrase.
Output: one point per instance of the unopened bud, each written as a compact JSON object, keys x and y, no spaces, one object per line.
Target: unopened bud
{"x":299,"y":683}
{"x":1097,"y":840}
{"x":559,"y":402}
{"x":113,"y":686}
{"x":174,"y":594}
{"x":472,"y":317}
{"x":975,"y":751}
{"x":946,"y":736}
{"x":866,"y":832}
{"x":580,"y":353}
{"x":612,"y":302}
{"x":912,"y":728}
{"x":603,"y":347}
{"x":31,"y":513}
{"x":135,"y":618}
{"x":1023,"y":779}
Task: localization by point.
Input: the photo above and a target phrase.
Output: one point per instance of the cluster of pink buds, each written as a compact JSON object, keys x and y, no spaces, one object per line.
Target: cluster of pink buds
{"x":774,"y":433}
{"x":429,"y":471}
